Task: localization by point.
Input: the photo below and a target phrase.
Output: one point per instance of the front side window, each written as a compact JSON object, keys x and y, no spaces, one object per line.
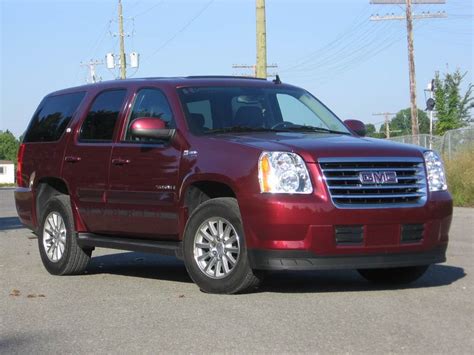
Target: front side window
{"x":256,"y":109}
{"x":52,"y":117}
{"x":150,"y":103}
{"x":103,"y":115}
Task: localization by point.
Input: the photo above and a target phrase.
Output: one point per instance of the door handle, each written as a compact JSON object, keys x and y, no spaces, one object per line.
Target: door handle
{"x":72,"y":159}
{"x":120,"y":161}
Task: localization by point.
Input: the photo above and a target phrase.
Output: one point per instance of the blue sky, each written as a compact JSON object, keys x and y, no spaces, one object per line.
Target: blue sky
{"x":354,"y":65}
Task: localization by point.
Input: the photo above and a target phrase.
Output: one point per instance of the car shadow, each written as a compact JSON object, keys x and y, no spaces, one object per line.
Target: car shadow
{"x":145,"y":265}
{"x":154,"y":266}
{"x":351,"y":281}
{"x":10,"y":223}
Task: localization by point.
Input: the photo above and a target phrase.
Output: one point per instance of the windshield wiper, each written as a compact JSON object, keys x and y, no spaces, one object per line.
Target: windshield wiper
{"x":239,"y":129}
{"x":300,"y":128}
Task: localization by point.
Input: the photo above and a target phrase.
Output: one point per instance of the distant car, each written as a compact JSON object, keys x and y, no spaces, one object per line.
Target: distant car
{"x":233,"y":175}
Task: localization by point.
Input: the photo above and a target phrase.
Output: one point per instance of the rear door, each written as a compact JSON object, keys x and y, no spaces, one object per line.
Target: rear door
{"x":144,"y":175}
{"x":87,"y":158}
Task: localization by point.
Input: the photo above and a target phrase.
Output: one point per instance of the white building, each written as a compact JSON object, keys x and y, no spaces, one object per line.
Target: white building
{"x":7,"y":172}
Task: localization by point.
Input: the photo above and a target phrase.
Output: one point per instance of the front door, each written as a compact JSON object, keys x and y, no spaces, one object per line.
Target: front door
{"x":87,"y":158}
{"x":143,"y":175}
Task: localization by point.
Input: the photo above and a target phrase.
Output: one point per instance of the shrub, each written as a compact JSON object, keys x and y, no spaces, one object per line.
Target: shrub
{"x":460,"y":172}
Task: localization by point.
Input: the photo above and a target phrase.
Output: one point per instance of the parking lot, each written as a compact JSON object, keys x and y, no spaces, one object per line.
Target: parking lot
{"x":142,"y":303}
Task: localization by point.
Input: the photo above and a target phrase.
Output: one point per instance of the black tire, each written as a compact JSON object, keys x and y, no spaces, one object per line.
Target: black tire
{"x":241,"y":278}
{"x":74,"y":260}
{"x":396,"y":276}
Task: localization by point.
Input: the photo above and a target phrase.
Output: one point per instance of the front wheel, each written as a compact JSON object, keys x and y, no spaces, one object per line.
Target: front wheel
{"x":215,"y":253}
{"x":399,"y":276}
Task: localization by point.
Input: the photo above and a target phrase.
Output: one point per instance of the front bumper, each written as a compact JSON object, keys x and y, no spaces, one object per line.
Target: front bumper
{"x":300,"y":232}
{"x":303,"y":260}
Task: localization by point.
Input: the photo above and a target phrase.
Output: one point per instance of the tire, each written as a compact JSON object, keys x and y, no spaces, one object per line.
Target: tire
{"x":396,"y":276}
{"x":73,"y":260}
{"x":217,"y":259}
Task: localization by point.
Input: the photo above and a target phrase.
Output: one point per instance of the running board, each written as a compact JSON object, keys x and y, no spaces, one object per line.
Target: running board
{"x":88,"y":240}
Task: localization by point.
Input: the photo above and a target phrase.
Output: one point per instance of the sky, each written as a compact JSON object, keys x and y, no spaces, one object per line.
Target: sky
{"x":329,"y":47}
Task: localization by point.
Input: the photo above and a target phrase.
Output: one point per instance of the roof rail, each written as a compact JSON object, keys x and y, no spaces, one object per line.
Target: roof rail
{"x":223,"y":77}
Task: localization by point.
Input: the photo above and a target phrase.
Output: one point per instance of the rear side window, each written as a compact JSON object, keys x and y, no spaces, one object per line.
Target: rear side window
{"x":100,"y":122}
{"x":52,"y":117}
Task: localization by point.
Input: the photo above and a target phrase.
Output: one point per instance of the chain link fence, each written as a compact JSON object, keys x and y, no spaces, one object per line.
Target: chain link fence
{"x":447,"y":145}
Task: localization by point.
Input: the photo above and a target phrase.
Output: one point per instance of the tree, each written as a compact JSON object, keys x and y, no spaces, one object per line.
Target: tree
{"x":400,"y":125}
{"x":370,"y":128}
{"x":453,"y":107}
{"x":372,"y":131}
{"x":8,"y":146}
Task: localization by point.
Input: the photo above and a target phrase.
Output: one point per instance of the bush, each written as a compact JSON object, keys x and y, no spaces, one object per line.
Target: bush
{"x":460,"y":172}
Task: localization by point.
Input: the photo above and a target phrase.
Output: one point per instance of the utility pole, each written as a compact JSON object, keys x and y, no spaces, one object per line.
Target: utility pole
{"x":387,"y":116}
{"x":411,"y":64}
{"x":411,"y":52}
{"x":93,"y":78}
{"x":123,"y":64}
{"x":261,"y":67}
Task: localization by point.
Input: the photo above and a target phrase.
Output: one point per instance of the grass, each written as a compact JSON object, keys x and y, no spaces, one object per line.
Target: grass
{"x":460,"y":174}
{"x":7,"y":185}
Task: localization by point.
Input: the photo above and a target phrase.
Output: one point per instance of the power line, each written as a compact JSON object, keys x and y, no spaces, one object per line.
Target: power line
{"x":348,"y":32}
{"x":370,"y":42}
{"x":182,"y":29}
{"x":364,"y":43}
{"x":149,"y":9}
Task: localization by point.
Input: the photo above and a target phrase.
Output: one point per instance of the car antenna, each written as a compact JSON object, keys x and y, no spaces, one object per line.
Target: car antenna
{"x":277,"y":80}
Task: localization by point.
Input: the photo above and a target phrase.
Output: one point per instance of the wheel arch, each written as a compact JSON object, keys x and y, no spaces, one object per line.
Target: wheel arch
{"x":47,"y":187}
{"x":198,"y":189}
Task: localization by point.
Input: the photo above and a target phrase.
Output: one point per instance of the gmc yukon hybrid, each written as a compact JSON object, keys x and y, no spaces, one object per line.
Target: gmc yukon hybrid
{"x":234,"y":176}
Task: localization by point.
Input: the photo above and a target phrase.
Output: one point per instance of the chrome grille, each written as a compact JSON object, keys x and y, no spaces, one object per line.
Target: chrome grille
{"x":343,"y":179}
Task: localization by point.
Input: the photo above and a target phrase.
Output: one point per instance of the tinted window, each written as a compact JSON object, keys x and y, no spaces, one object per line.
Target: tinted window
{"x":150,"y":103}
{"x":200,"y":116}
{"x":100,"y":121}
{"x":52,"y":117}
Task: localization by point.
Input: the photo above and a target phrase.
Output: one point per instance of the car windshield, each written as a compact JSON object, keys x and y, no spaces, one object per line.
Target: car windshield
{"x":212,"y":110}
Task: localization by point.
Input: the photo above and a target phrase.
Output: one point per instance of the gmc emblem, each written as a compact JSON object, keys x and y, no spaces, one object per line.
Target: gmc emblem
{"x":378,"y":177}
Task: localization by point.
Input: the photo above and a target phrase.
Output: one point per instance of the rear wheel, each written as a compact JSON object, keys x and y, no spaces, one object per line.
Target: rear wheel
{"x":401,"y":275}
{"x":60,"y":253}
{"x":215,"y":253}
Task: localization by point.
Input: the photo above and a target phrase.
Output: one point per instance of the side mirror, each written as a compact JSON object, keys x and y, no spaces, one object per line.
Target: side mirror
{"x":150,"y":127}
{"x":357,"y":127}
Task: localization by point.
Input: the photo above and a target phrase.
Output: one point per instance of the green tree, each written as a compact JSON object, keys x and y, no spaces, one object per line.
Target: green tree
{"x":452,"y":107}
{"x":8,"y":146}
{"x":400,"y":125}
{"x":370,"y":128}
{"x":372,"y":131}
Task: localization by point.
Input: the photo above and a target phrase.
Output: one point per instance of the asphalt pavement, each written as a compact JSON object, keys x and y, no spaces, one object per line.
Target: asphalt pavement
{"x":143,"y":303}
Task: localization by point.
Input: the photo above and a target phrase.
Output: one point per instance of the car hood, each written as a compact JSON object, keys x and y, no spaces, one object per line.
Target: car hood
{"x":321,"y":145}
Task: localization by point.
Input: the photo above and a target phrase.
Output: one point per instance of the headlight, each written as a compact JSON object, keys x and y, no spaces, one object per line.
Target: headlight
{"x":435,"y":169}
{"x":283,"y":172}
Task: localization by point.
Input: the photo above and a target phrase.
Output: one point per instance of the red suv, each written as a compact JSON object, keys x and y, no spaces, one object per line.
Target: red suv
{"x":233,"y":175}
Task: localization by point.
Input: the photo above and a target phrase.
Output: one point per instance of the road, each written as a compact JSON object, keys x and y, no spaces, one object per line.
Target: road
{"x":141,"y":303}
